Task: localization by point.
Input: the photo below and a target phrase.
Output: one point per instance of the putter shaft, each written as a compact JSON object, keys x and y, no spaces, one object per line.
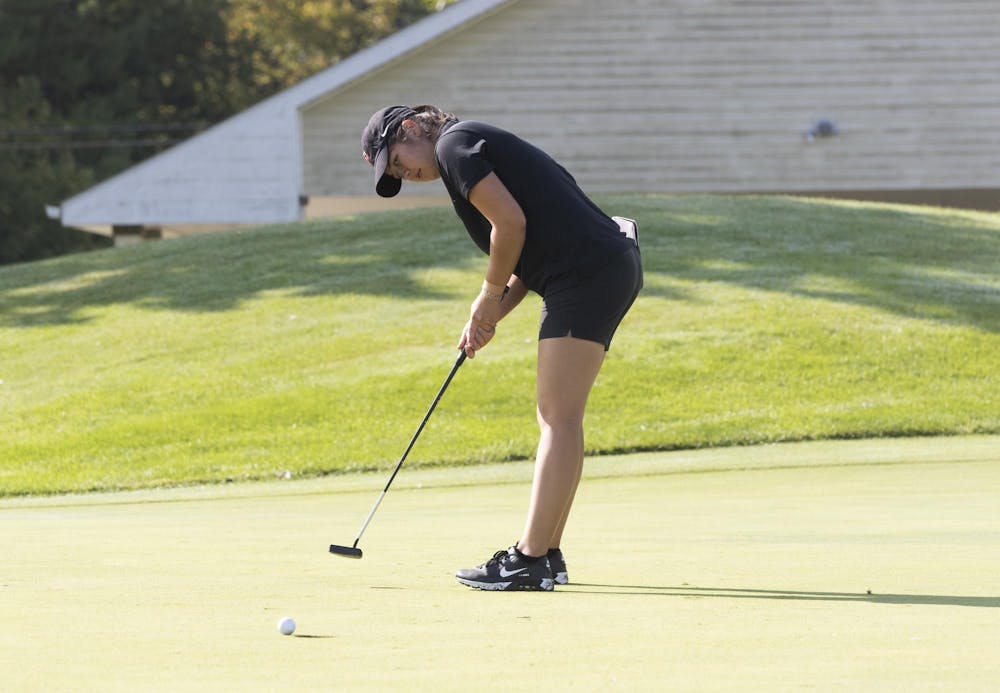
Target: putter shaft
{"x":354,"y":551}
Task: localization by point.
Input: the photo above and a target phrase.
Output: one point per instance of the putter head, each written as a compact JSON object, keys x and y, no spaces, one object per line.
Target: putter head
{"x":347,"y":551}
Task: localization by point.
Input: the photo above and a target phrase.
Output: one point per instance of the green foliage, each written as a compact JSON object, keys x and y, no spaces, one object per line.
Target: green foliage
{"x":31,"y":179}
{"x":315,"y":348}
{"x":98,"y":61}
{"x":288,"y":41}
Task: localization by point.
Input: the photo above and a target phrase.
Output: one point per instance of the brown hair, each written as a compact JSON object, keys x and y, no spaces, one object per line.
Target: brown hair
{"x":430,"y":119}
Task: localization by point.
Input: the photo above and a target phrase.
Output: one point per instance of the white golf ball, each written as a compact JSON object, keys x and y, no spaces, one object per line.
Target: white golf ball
{"x":286,"y":625}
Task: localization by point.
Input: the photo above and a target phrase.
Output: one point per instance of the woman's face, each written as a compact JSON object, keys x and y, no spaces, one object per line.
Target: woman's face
{"x":413,"y":158}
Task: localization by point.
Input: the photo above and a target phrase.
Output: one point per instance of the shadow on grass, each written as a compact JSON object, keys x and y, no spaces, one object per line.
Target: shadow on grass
{"x":787,"y":595}
{"x":369,"y":255}
{"x":937,"y":266}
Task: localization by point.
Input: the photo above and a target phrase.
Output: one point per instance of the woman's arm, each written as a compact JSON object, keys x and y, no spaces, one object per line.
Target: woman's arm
{"x":491,"y":197}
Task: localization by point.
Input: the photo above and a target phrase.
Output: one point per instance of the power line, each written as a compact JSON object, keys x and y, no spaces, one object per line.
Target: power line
{"x":111,"y":129}
{"x":109,"y":136}
{"x":89,"y":144}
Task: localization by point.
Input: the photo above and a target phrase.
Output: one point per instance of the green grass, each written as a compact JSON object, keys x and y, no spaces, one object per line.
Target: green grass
{"x":315,"y":348}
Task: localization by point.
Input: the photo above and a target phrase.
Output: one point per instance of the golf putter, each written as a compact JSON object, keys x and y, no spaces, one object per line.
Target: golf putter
{"x":353,"y":551}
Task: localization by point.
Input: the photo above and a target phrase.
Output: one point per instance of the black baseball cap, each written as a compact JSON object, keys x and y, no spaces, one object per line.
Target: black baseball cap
{"x":381,"y":130}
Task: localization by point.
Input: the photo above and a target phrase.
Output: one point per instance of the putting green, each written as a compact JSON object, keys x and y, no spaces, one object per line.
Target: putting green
{"x":735,"y":569}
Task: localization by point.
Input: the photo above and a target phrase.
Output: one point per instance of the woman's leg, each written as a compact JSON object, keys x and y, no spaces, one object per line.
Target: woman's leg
{"x":567,"y":368}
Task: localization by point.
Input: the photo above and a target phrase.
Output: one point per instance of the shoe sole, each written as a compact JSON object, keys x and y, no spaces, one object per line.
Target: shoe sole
{"x":545,"y":585}
{"x":561,"y":578}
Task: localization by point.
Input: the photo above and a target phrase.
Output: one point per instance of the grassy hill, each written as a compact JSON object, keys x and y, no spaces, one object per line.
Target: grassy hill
{"x":316,"y":347}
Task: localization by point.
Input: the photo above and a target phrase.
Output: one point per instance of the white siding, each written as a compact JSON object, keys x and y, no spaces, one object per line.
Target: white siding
{"x":705,"y":95}
{"x":245,"y":171}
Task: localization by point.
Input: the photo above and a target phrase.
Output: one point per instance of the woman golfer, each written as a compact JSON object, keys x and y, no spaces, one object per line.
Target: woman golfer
{"x":542,"y":234}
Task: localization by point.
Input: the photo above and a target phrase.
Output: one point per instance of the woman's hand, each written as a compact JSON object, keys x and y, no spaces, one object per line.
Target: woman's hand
{"x":482,"y":325}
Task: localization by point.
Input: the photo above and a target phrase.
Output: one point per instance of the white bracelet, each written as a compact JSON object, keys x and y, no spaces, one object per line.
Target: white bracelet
{"x":494,"y":291}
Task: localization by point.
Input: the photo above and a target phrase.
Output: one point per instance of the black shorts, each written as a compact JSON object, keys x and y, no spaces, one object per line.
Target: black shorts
{"x":591,"y":307}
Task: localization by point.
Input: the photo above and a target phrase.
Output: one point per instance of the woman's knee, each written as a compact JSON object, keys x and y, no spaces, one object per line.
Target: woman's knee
{"x":559,"y":419}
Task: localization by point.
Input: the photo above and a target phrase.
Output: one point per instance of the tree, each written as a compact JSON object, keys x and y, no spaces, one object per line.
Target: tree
{"x":290,"y":40}
{"x":113,"y":67}
{"x":30,"y":179}
{"x":87,"y":88}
